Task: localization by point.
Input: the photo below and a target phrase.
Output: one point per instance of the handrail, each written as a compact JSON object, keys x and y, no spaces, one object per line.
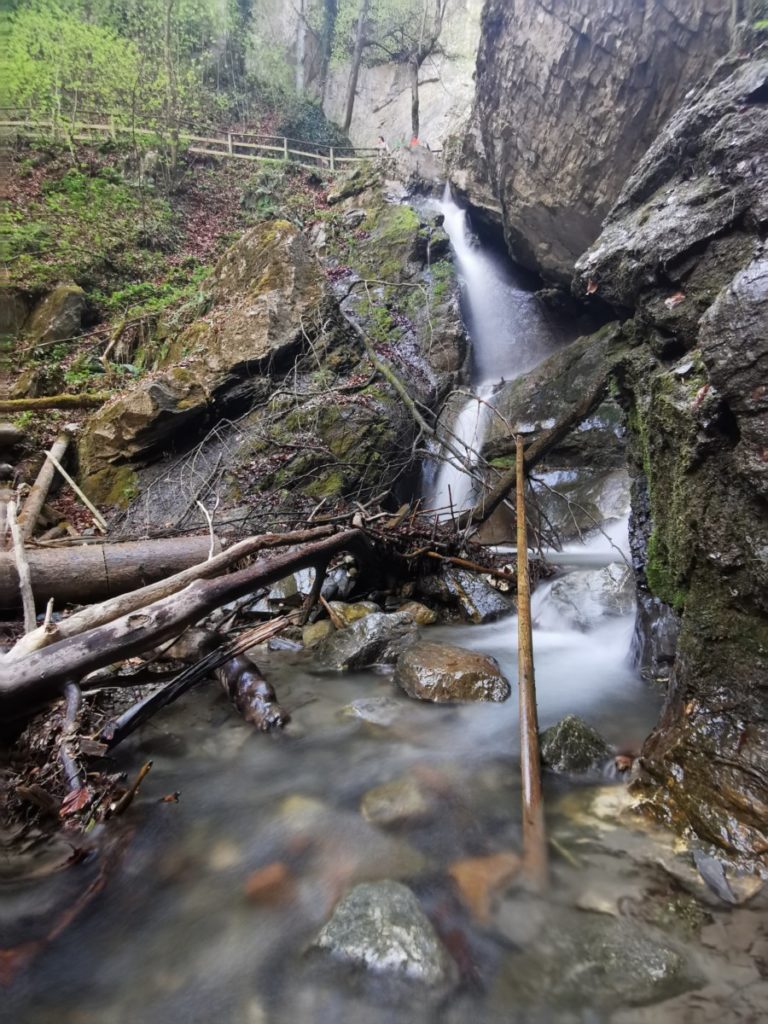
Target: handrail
{"x":232,"y":142}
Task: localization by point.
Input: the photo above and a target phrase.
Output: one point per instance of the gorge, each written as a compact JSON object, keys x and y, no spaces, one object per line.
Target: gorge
{"x":297,"y":355}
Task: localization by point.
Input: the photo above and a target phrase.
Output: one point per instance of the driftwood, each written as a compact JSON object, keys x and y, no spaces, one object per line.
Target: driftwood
{"x":534,"y":453}
{"x":534,"y":833}
{"x":39,"y":491}
{"x":91,"y":572}
{"x":87,"y":400}
{"x":38,"y":677}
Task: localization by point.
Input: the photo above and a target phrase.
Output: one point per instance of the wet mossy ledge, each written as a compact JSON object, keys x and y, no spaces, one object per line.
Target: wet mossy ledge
{"x":683,"y":252}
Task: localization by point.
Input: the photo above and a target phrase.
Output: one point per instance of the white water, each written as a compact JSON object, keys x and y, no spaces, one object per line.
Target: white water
{"x":509,"y":337}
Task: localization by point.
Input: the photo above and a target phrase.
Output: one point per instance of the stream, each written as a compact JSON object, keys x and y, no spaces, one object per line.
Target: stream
{"x":184,"y":930}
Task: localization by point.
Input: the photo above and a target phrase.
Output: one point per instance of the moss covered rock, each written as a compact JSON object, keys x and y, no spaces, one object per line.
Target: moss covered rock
{"x":56,"y":317}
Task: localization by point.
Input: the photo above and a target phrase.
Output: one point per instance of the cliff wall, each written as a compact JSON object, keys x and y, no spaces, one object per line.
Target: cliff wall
{"x":569,"y":95}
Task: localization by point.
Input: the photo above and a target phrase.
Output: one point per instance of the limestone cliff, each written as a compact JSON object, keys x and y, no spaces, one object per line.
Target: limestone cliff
{"x":569,"y":95}
{"x":684,"y":249}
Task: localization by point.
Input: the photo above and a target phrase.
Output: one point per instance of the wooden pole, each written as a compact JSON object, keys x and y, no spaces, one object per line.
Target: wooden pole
{"x":22,"y":570}
{"x":534,"y":834}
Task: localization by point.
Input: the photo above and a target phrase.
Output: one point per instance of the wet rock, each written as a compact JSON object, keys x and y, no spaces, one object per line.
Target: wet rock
{"x":270,"y":884}
{"x":57,"y":317}
{"x":584,"y":598}
{"x":395,"y":803}
{"x":419,"y":613}
{"x":444,"y":674}
{"x":381,"y":926}
{"x":572,"y":745}
{"x":350,"y":613}
{"x":582,"y":959}
{"x":314,"y":632}
{"x":469,"y":594}
{"x":376,"y":639}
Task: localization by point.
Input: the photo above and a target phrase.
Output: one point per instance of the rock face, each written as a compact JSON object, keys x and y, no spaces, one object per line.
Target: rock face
{"x":569,"y":95}
{"x":684,"y":249}
{"x":447,"y":674}
{"x":380,"y":926}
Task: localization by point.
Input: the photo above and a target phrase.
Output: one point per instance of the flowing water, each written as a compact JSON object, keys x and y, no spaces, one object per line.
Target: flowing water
{"x":510,"y":335}
{"x":185,"y":931}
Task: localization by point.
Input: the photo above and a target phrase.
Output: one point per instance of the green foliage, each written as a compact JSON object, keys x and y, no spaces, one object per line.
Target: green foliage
{"x":91,"y":229}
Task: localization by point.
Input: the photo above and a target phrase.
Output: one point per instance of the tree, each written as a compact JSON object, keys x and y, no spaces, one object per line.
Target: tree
{"x":377,"y":31}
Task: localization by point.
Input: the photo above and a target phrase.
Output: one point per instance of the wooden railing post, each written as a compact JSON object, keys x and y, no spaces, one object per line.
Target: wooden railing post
{"x":285,"y":149}
{"x":229,"y":143}
{"x":333,"y":160}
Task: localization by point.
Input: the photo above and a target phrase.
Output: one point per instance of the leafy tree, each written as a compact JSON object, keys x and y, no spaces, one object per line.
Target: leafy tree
{"x":375,"y":31}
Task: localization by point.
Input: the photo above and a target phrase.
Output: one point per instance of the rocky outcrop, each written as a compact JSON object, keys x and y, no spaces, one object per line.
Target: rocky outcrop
{"x":569,"y":95}
{"x":56,"y":317}
{"x":683,"y":248}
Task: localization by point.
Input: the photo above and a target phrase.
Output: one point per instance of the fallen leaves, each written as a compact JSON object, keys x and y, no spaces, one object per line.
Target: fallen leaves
{"x":591,"y":287}
{"x":272,"y":883}
{"x":480,"y":879}
{"x":674,"y":300}
{"x":75,"y":801}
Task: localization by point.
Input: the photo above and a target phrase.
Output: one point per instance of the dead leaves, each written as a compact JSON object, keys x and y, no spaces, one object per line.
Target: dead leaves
{"x":674,"y":300}
{"x":480,"y":879}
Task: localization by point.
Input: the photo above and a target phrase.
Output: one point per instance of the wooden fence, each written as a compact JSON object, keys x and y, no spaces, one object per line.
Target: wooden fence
{"x":231,"y":145}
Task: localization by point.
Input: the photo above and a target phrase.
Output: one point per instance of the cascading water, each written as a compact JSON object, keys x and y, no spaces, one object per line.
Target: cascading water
{"x":509,"y":337}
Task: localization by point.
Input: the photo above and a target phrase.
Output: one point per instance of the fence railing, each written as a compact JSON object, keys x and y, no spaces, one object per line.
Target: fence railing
{"x":232,"y":145}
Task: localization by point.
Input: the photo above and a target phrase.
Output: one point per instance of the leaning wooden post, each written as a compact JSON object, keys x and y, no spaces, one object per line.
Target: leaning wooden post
{"x":22,"y":570}
{"x":534,"y":835}
{"x":332,"y":157}
{"x":39,"y":491}
{"x":285,"y":148}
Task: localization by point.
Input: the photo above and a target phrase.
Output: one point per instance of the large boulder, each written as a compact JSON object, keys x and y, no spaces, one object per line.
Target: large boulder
{"x":56,"y":317}
{"x":447,"y":674}
{"x":270,"y":300}
{"x":592,"y":81}
{"x":376,"y":639}
{"x":465,"y":592}
{"x":380,"y":926}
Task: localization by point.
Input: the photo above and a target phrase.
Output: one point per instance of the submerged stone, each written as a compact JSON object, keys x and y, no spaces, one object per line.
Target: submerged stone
{"x":572,"y":745}
{"x":381,"y":926}
{"x":592,"y":960}
{"x":443,"y":673}
{"x":395,"y":803}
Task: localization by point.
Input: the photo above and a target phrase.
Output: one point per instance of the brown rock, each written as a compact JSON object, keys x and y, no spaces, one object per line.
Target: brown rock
{"x":272,"y":883}
{"x":480,"y":879}
{"x":443,"y":673}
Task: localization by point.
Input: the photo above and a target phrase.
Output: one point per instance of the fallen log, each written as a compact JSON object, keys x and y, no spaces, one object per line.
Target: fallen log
{"x":108,"y":611}
{"x":87,"y":400}
{"x":534,"y":453}
{"x":39,"y":676}
{"x":91,"y":572}
{"x":21,"y":564}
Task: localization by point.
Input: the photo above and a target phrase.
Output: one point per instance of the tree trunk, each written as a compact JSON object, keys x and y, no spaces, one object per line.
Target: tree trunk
{"x":301,"y":45}
{"x":92,"y":572}
{"x":413,"y":69}
{"x":89,"y":400}
{"x":39,"y":491}
{"x":357,"y":59}
{"x":330,"y":13}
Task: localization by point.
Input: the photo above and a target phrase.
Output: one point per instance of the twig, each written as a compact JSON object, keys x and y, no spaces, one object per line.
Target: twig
{"x":98,"y":517}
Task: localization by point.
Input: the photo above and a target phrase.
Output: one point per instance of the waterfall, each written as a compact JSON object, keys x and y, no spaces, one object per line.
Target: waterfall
{"x":509,"y":337}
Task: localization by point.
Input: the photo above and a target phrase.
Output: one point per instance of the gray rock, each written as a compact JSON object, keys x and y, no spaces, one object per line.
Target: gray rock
{"x":377,"y":639}
{"x":572,"y":745}
{"x":583,"y":598}
{"x":395,"y":803}
{"x":470,"y":594}
{"x":57,"y":317}
{"x":443,"y":673}
{"x":380,"y":926}
{"x":583,"y":959}
{"x":378,"y":711}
